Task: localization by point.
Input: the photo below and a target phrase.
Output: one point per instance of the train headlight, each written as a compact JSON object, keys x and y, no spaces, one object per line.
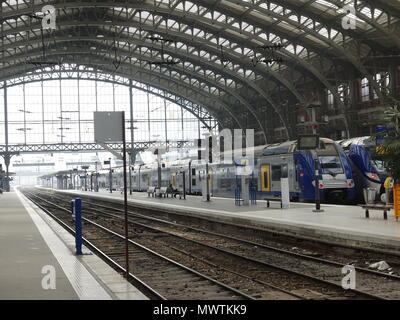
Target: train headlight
{"x":350,"y":183}
{"x":372,"y":176}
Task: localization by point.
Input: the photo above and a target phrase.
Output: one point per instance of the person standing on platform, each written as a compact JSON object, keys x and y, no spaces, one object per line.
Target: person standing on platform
{"x":389,"y":183}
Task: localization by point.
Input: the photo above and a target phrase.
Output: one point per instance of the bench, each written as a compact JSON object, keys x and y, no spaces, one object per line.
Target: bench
{"x":151,"y":191}
{"x":273,"y":198}
{"x":385,"y":208}
{"x":174,"y":193}
{"x":161,"y":192}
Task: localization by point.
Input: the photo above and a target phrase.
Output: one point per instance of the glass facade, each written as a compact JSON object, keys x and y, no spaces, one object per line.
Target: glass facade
{"x":61,"y":111}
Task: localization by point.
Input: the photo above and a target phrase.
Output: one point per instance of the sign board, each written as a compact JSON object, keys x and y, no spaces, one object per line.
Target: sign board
{"x":389,"y":131}
{"x":107,"y":162}
{"x":308,"y":142}
{"x":108,"y":126}
{"x":396,"y":200}
{"x":379,"y":139}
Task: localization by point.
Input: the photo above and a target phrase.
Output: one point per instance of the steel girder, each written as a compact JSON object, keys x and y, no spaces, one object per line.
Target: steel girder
{"x":92,"y":147}
{"x":179,"y":12}
{"x":392,"y":6}
{"x":331,"y":45}
{"x":76,"y":73}
{"x":161,"y":10}
{"x":150,"y":77}
{"x":214,"y":67}
{"x":158,"y":48}
{"x":199,"y":101}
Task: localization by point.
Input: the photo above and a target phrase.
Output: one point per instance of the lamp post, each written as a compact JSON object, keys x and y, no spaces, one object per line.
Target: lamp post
{"x":316,"y":181}
{"x":109,"y":160}
{"x":96,"y":186}
{"x":85,"y":168}
{"x":131,"y":154}
{"x":130,"y":173}
{"x":74,"y":182}
{"x":311,"y":143}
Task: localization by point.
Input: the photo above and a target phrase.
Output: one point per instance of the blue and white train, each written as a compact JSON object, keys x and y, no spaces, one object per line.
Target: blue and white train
{"x":335,"y":173}
{"x":368,"y":167}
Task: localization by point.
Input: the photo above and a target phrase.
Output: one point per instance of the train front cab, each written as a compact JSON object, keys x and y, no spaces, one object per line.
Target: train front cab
{"x":336,"y":182}
{"x":367,"y":166}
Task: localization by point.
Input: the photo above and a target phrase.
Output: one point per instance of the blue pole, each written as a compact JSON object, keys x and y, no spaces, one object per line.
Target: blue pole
{"x":78,"y":226}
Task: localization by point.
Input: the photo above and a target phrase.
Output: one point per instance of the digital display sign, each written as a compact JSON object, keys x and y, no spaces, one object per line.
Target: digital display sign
{"x":309,"y":142}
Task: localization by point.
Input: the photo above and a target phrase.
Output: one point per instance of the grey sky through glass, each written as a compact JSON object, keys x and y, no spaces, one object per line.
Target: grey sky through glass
{"x":57,"y":112}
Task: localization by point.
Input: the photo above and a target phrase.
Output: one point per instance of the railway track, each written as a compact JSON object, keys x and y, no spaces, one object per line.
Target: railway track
{"x":159,"y":276}
{"x":305,"y":277}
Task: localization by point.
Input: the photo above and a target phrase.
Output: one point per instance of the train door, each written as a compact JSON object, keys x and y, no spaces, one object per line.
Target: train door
{"x":296,"y":175}
{"x":265,"y":178}
{"x":193,"y":184}
{"x":276,"y":174}
{"x":148,"y":180}
{"x":133,"y":177}
{"x":179,"y":180}
{"x":180,"y":177}
{"x":210,"y":182}
{"x":173,"y":180}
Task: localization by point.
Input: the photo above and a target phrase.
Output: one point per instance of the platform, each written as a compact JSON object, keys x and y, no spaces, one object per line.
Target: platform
{"x":33,"y":248}
{"x":346,"y":224}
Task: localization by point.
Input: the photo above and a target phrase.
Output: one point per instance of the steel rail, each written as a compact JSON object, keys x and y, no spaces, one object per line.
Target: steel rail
{"x":242,"y":294}
{"x":255,"y":228}
{"x":280,"y":250}
{"x":326,"y":282}
{"x":144,"y":288}
{"x":359,"y":292}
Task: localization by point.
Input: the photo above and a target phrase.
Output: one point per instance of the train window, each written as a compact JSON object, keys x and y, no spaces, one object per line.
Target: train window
{"x":193,"y":182}
{"x":276,"y":173}
{"x":329,"y":150}
{"x":380,"y":165}
{"x":193,"y":172}
{"x":330,"y":165}
{"x":296,"y":165}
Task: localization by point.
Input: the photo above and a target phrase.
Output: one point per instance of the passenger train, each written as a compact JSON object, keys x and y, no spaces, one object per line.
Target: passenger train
{"x":368,"y":167}
{"x":271,"y":162}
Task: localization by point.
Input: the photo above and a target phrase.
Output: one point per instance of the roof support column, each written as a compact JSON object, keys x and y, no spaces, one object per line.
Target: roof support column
{"x":5,"y":115}
{"x":43,"y":117}
{"x":79,"y":110}
{"x":6,"y":155}
{"x":166,"y":122}
{"x":133,"y":156}
{"x":148,"y":113}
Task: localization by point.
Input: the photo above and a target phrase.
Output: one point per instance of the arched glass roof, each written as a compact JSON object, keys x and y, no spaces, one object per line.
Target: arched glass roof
{"x":235,"y":58}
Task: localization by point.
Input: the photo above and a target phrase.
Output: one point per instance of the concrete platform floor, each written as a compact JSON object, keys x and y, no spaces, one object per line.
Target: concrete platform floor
{"x":33,"y":247}
{"x":337,"y":221}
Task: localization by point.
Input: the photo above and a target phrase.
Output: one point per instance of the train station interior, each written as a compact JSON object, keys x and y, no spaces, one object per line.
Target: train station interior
{"x":199,"y":150}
